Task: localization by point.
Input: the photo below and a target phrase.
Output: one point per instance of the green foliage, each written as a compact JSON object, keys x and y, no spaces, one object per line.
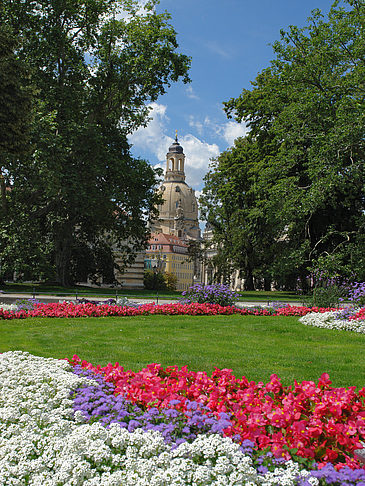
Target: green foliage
{"x":80,"y":188}
{"x":170,"y":280}
{"x":327,"y":296}
{"x":296,"y":182}
{"x":154,"y":280}
{"x":159,"y":280}
{"x":15,"y":97}
{"x":232,"y":204}
{"x":213,"y":294}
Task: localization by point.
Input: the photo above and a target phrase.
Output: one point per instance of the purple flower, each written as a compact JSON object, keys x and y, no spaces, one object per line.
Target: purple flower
{"x":98,"y":403}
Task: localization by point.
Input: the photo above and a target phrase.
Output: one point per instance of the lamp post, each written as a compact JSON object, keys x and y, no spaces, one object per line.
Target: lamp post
{"x":154,"y":266}
{"x":157,"y":265}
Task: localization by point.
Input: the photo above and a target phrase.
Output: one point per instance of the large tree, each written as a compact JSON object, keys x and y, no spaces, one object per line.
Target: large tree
{"x":232,"y":204}
{"x":15,"y":106}
{"x":310,"y":104}
{"x":96,"y":64}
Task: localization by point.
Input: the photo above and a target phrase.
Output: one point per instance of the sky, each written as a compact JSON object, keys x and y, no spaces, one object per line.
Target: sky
{"x":229,"y":43}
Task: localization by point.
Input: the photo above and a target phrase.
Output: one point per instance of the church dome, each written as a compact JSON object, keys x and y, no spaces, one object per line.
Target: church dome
{"x":177,"y":194}
{"x":178,"y":214}
{"x":175,"y":148}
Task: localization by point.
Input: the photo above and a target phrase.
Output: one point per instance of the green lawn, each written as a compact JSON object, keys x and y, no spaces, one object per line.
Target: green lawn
{"x":83,"y":291}
{"x":252,"y":346}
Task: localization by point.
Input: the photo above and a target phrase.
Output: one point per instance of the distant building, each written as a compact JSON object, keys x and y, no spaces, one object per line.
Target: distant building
{"x":178,"y":214}
{"x":176,"y":225}
{"x":209,"y":271}
{"x":169,"y":253}
{"x":132,"y":277}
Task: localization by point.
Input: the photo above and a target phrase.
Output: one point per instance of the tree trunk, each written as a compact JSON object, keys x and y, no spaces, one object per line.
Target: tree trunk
{"x":63,"y":258}
{"x":249,"y":285}
{"x":3,"y":195}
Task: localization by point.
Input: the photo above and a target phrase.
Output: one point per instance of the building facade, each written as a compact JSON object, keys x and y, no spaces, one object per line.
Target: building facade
{"x":169,"y":253}
{"x":177,"y":223}
{"x":178,"y":214}
{"x":170,"y":235}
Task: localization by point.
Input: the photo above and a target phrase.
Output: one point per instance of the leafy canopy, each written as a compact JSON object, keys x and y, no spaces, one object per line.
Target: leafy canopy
{"x":80,"y":196}
{"x":299,"y":174}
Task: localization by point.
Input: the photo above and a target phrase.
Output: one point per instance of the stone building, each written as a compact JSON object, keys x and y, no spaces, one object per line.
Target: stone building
{"x":177,"y":224}
{"x":169,"y":253}
{"x":208,"y":269}
{"x":178,"y":214}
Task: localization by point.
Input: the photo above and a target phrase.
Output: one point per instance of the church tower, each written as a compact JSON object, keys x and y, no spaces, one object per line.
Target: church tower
{"x":178,"y":215}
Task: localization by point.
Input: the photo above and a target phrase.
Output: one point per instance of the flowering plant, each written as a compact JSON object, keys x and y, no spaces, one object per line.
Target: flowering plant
{"x":26,"y":304}
{"x":213,"y":294}
{"x":45,"y":441}
{"x":356,"y":294}
{"x":306,"y":421}
{"x":333,"y":320}
{"x":70,"y":310}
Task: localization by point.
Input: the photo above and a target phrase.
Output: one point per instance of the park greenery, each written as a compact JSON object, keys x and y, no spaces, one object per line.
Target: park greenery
{"x":175,"y":374}
{"x":78,"y":423}
{"x":76,"y":78}
{"x":287,"y":200}
{"x":159,"y":280}
{"x":262,"y":344}
{"x":206,"y":391}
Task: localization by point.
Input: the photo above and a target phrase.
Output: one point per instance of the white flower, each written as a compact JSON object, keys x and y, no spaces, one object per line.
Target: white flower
{"x":328,"y":320}
{"x":9,"y":307}
{"x":43,"y":443}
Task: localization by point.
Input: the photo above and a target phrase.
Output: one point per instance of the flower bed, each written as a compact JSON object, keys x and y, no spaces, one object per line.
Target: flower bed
{"x":69,"y":310}
{"x":308,"y":421}
{"x":45,"y":439}
{"x":332,"y":320}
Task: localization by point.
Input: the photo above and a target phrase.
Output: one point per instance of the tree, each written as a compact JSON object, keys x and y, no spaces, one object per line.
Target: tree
{"x":154,"y":280}
{"x":15,"y":106}
{"x":232,"y":205}
{"x":170,"y":280}
{"x":309,"y":104}
{"x":95,"y":71}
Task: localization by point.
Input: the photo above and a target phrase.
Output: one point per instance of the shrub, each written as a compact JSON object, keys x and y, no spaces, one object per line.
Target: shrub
{"x":356,"y":294}
{"x":154,"y":280}
{"x":212,"y":294}
{"x":26,"y":304}
{"x":170,"y":280}
{"x":328,"y":290}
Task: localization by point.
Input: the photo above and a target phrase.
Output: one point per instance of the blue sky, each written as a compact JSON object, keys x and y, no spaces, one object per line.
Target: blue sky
{"x":229,"y":42}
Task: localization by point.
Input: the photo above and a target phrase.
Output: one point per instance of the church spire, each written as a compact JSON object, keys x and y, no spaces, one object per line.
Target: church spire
{"x":175,"y":160}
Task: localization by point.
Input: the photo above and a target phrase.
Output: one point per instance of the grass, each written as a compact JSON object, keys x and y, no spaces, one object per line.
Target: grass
{"x":84,"y":291}
{"x":252,"y":346}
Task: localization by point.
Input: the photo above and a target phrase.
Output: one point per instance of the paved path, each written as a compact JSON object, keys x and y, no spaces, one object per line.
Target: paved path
{"x":11,"y":298}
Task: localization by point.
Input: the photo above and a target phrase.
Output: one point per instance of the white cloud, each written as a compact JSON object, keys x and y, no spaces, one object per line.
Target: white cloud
{"x":191,"y":94}
{"x":232,"y":130}
{"x":197,"y":125}
{"x":198,"y":155}
{"x":140,"y":8}
{"x":227,"y":131}
{"x":218,"y":49}
{"x":153,"y":138}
